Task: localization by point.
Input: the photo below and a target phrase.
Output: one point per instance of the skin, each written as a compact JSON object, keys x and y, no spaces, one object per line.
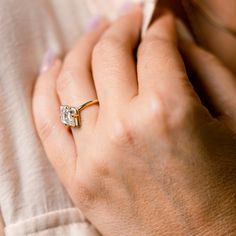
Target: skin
{"x":222,"y":44}
{"x":150,"y":159}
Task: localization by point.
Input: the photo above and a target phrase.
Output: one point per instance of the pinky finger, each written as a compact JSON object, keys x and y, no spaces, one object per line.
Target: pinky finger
{"x":56,"y":139}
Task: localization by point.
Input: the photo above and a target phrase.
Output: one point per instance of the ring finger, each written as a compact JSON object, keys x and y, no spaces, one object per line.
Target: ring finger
{"x":75,"y":83}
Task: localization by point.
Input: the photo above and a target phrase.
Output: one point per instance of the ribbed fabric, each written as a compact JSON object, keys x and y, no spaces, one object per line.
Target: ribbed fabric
{"x":61,"y":222}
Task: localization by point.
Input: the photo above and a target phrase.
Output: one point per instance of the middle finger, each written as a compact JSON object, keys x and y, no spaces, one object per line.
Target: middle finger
{"x":113,"y":61}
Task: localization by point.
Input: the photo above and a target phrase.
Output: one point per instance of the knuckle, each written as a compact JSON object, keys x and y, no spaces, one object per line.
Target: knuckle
{"x":156,"y":107}
{"x":122,"y":134}
{"x":168,"y":113}
{"x":108,"y":46}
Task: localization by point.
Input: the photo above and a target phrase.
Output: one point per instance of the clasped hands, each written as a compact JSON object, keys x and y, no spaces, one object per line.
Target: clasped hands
{"x":156,"y":157}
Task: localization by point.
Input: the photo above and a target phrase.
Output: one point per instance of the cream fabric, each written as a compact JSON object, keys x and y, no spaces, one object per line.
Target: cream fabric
{"x":32,"y":200}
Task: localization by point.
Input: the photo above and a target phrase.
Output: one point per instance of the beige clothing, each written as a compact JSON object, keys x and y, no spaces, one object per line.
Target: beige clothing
{"x":32,"y":200}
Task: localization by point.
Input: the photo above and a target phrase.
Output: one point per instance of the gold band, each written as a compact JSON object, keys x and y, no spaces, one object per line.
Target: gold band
{"x":86,"y":105}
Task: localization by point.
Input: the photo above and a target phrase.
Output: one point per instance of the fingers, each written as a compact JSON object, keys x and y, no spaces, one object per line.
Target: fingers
{"x":160,"y":67}
{"x":113,"y":61}
{"x":217,"y":82}
{"x":57,"y":141}
{"x":75,"y":84}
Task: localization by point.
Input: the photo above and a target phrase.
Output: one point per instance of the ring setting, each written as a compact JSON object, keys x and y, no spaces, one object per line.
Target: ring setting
{"x":71,"y":116}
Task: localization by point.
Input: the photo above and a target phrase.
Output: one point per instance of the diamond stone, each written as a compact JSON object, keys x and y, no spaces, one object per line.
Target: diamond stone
{"x":68,"y":116}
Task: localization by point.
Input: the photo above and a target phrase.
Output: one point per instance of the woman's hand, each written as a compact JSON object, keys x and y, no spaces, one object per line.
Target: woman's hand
{"x":215,"y":83}
{"x":216,"y":40}
{"x":150,"y":159}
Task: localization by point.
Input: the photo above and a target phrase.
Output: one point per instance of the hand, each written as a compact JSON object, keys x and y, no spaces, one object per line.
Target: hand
{"x":207,"y":34}
{"x":150,"y":159}
{"x":214,"y":82}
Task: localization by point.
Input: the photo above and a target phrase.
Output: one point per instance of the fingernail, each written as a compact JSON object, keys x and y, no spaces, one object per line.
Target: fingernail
{"x":126,"y":7}
{"x":93,"y":23}
{"x":183,"y":32}
{"x":48,"y":60}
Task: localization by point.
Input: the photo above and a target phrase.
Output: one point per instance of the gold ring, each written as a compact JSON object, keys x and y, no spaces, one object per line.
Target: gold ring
{"x":70,"y":116}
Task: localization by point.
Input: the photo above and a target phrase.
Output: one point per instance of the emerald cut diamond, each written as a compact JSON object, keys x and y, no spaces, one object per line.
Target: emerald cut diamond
{"x":69,"y":116}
